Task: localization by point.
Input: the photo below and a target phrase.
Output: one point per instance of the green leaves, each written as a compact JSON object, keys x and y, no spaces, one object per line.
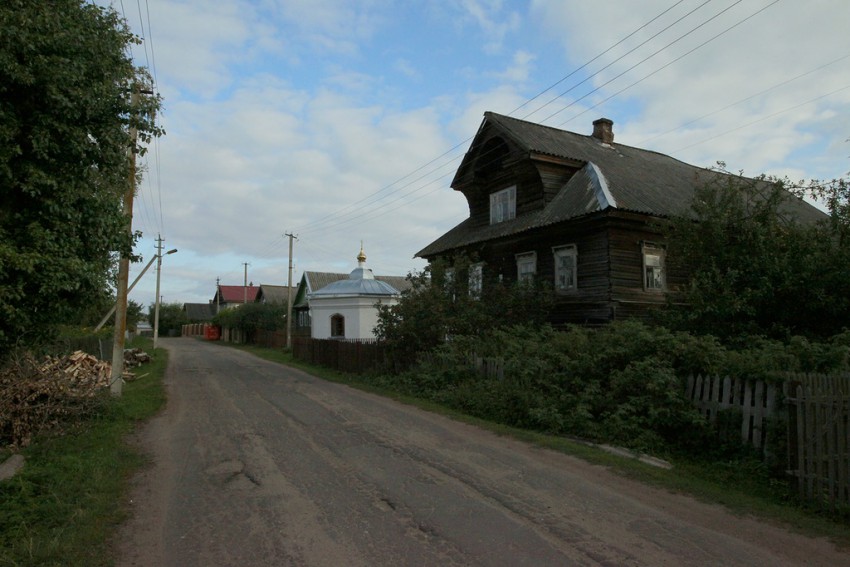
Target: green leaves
{"x":65,"y":110}
{"x":756,"y":267}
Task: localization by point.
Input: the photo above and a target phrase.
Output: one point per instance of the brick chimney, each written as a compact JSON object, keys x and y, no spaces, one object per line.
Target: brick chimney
{"x":603,"y":130}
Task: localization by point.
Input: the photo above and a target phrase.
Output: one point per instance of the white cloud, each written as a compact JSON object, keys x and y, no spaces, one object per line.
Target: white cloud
{"x":299,"y":115}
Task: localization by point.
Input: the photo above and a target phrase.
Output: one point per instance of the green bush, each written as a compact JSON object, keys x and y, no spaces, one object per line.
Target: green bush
{"x":623,"y":383}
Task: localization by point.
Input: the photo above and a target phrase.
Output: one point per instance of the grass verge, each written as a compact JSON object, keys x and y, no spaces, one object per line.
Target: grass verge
{"x":742,"y":486}
{"x":62,"y":508}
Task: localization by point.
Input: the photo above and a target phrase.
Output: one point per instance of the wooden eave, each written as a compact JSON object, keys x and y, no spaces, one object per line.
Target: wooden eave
{"x":556,"y":160}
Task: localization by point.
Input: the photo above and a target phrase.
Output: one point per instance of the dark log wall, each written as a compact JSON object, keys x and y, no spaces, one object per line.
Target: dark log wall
{"x":609,"y":264}
{"x":609,"y":244}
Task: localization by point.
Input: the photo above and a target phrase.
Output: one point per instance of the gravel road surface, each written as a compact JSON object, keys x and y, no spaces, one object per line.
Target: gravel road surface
{"x":255,"y":463}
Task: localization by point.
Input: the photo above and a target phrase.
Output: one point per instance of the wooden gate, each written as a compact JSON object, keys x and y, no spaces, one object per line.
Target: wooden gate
{"x":819,"y":437}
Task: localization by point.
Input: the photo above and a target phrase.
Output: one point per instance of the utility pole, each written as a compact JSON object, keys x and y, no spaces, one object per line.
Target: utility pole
{"x":129,"y":289}
{"x":245,"y":285}
{"x":289,"y":296}
{"x":116,"y":380}
{"x":217,"y":295}
{"x":158,"y":272}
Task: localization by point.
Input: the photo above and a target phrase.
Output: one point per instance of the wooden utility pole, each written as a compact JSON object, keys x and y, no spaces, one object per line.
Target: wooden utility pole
{"x":158,"y":271}
{"x":116,"y":381}
{"x":289,"y":296}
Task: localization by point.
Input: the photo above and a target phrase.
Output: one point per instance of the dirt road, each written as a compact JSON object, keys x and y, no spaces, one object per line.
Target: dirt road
{"x":260,"y":464}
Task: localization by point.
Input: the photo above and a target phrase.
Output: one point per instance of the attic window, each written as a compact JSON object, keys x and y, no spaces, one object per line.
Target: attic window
{"x":491,"y":156}
{"x":503,"y":205}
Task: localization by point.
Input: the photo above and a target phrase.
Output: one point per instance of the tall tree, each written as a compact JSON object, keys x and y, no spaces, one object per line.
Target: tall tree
{"x":66,"y":79}
{"x":756,"y":268}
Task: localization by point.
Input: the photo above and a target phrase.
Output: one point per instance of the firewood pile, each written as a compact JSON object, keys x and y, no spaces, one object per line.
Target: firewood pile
{"x":54,"y":393}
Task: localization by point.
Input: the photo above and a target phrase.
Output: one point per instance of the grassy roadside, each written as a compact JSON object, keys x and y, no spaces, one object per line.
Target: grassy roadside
{"x":744,"y":491}
{"x":62,"y":507}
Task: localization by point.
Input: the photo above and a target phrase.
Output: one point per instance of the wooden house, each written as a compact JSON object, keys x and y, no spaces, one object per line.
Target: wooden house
{"x":578,"y":212}
{"x":230,"y":296}
{"x":199,"y":312}
{"x":274,"y":294}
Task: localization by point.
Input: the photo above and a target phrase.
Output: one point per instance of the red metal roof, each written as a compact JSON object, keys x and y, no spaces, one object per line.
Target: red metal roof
{"x":236,"y":293}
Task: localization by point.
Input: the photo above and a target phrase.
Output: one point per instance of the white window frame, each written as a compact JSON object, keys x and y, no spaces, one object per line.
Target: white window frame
{"x":526,"y":259}
{"x":566,"y":277}
{"x":654,"y":267}
{"x":503,"y":205}
{"x":476,"y":284}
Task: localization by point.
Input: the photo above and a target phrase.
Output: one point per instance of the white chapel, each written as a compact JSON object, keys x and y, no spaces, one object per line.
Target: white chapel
{"x":346,"y":309}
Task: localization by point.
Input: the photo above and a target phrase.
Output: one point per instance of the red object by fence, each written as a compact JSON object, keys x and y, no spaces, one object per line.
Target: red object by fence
{"x":212,"y":332}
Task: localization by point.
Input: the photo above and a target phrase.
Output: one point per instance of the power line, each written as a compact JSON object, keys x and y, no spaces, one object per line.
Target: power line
{"x":743,"y":100}
{"x":623,"y":56}
{"x":375,"y":211}
{"x":676,"y":60}
{"x":767,"y":117}
{"x":365,"y":202}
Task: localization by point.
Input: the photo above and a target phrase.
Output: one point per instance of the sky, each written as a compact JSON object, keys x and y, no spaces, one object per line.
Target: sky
{"x":343,"y":121}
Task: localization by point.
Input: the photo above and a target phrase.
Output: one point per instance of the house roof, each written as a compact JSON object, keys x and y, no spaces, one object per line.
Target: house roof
{"x":360,"y":282}
{"x":198,"y":311}
{"x":274,"y":293}
{"x":236,"y":293}
{"x":612,"y":176}
{"x":314,"y":281}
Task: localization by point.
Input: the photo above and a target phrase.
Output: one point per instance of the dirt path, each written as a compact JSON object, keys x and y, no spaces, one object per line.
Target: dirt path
{"x":260,"y":464}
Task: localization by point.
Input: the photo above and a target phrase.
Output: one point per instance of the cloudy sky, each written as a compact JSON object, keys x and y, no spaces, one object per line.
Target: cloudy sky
{"x":343,"y":121}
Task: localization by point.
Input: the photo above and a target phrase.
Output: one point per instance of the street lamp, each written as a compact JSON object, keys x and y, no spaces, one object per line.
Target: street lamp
{"x":156,"y":308}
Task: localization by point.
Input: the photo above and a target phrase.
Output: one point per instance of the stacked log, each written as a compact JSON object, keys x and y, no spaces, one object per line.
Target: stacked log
{"x":54,"y":393}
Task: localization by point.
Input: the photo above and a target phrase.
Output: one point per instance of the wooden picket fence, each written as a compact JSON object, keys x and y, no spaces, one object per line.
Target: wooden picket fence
{"x":818,"y":425}
{"x":755,"y":400}
{"x":346,"y":355}
{"x":819,"y":437}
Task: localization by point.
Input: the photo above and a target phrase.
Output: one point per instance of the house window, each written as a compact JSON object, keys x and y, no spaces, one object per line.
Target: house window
{"x":653,"y":267}
{"x":476,"y":272}
{"x":526,"y":267}
{"x":337,"y":326}
{"x":449,"y":283}
{"x":565,"y":267}
{"x":503,"y":205}
{"x":303,"y":319}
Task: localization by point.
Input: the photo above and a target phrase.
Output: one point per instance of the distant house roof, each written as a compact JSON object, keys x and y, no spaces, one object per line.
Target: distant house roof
{"x":236,"y":293}
{"x":274,"y":294}
{"x":611,"y":176}
{"x":198,"y":312}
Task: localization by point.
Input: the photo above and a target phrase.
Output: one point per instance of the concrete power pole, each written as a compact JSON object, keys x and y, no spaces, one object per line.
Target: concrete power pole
{"x":289,"y":297}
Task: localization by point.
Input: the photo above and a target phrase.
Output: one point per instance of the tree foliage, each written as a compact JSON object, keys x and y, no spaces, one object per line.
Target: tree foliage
{"x":252,"y":317}
{"x":758,"y":269}
{"x":65,"y":115}
{"x":171,"y":317}
{"x":442,"y":305}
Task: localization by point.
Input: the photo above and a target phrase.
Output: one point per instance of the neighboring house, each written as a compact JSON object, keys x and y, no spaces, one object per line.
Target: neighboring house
{"x":274,"y":294}
{"x":346,"y":308}
{"x":199,"y":312}
{"x":230,"y":296}
{"x":579,"y":212}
